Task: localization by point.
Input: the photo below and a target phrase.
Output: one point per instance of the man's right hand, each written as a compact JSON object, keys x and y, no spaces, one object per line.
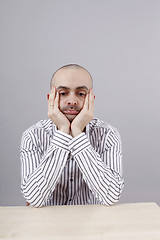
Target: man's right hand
{"x":57,"y":117}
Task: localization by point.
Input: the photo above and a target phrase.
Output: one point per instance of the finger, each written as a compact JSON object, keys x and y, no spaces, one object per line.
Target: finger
{"x":91,"y":101}
{"x":56,"y":101}
{"x":85,"y":106}
{"x":52,"y":97}
{"x":53,"y":91}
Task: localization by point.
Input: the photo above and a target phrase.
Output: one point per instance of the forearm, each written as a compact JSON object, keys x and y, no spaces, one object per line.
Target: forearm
{"x":105,"y":182}
{"x":38,"y":183}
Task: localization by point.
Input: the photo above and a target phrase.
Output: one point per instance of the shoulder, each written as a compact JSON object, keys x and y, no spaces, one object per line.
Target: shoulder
{"x":41,"y":126}
{"x":102,"y":130}
{"x":103,"y":135}
{"x":96,"y":124}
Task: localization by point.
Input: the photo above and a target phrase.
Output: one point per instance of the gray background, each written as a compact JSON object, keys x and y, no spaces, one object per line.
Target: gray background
{"x":119,"y":43}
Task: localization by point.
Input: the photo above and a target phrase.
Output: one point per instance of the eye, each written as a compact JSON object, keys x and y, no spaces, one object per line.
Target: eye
{"x":62,"y":93}
{"x":82,"y":94}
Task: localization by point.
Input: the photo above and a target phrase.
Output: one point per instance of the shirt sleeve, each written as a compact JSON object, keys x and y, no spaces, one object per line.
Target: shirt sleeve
{"x":41,"y":172}
{"x":102,"y":174}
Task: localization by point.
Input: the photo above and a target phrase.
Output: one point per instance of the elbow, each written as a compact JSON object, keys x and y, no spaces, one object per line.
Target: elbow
{"x":112,"y":197}
{"x":33,"y":200}
{"x":34,"y":203}
{"x":110,"y":201}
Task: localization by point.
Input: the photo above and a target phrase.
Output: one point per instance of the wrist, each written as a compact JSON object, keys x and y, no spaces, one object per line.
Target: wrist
{"x":75,"y":132}
{"x":64,"y":129}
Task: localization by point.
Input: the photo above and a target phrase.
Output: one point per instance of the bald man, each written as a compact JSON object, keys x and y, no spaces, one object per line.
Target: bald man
{"x":71,"y":158}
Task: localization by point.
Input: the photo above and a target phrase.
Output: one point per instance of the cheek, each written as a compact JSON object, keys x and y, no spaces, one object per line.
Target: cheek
{"x":61,"y":104}
{"x":82,"y":103}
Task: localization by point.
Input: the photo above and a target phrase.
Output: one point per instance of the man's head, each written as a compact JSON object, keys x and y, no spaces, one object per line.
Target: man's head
{"x":72,"y":82}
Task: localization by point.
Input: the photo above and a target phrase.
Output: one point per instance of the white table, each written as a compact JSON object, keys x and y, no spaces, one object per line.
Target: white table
{"x":87,"y":222}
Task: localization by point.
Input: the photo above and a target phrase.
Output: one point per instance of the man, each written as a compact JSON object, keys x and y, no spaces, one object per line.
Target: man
{"x":71,"y":157}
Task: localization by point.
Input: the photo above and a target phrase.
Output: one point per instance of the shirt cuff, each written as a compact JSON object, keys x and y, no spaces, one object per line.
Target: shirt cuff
{"x":61,"y":139}
{"x":78,"y":143}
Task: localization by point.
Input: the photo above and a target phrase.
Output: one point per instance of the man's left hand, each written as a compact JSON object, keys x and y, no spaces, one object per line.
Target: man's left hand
{"x":85,"y":115}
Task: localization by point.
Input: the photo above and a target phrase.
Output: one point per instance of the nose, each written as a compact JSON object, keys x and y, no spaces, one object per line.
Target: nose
{"x":72,"y":100}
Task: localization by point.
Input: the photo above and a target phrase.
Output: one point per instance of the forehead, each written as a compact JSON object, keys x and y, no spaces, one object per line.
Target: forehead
{"x":72,"y":78}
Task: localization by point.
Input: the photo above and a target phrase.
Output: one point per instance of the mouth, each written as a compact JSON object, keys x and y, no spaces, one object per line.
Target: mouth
{"x":71,"y":112}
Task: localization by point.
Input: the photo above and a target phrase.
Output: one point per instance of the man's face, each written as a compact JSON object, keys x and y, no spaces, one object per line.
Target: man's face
{"x":73,"y":86}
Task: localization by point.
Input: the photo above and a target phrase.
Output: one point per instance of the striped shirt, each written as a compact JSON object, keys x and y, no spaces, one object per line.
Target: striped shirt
{"x":57,"y":169}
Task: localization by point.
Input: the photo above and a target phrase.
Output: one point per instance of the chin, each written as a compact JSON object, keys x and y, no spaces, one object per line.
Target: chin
{"x":70,"y":117}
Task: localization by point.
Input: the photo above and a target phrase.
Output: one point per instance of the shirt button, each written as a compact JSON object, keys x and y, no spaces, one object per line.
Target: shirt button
{"x":71,"y":179}
{"x":72,"y":150}
{"x":70,"y":200}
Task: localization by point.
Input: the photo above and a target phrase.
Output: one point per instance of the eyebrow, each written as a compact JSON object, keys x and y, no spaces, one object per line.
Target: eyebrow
{"x":80,"y":87}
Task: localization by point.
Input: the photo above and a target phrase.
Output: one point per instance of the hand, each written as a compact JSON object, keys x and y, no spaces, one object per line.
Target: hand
{"x":57,"y":117}
{"x":85,"y":115}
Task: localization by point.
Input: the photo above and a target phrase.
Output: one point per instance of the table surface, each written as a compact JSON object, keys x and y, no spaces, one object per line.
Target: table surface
{"x":88,"y":222}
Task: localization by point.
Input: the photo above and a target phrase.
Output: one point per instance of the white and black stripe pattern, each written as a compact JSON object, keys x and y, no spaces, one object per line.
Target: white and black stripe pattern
{"x":57,"y":169}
